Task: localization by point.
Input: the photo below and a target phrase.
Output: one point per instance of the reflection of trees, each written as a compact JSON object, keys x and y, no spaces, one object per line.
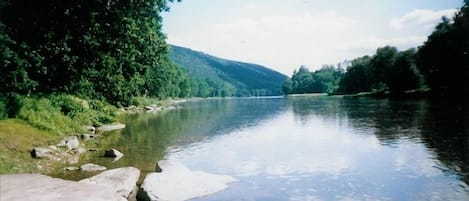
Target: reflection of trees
{"x":446,"y":130}
{"x":147,"y":136}
{"x":442,"y":127}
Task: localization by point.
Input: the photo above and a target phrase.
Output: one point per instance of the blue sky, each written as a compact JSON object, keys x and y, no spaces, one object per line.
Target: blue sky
{"x":284,"y":34}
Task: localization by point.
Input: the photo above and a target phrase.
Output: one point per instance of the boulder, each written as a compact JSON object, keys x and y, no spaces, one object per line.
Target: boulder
{"x":177,"y":183}
{"x":110,"y":127}
{"x":113,"y":153}
{"x":36,"y":187}
{"x":122,"y":181}
{"x":71,"y":142}
{"x":41,"y":152}
{"x":89,"y":167}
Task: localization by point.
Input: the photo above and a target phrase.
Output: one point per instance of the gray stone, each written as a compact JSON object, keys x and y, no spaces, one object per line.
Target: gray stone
{"x":110,"y":127}
{"x":89,"y":167}
{"x":177,"y":183}
{"x":71,"y":142}
{"x":71,"y":168}
{"x":41,"y":152}
{"x":148,"y":108}
{"x":122,"y":181}
{"x":36,"y":187}
{"x":113,"y":153}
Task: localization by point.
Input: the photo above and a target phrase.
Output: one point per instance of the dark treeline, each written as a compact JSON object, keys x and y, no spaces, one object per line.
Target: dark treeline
{"x":106,"y":49}
{"x":440,"y":65}
{"x":325,"y":80}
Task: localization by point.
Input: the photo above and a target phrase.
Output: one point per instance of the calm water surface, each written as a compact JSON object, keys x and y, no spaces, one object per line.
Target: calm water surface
{"x":310,"y":148}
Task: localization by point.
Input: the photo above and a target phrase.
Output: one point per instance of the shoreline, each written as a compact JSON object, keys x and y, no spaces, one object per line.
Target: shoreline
{"x":18,"y":139}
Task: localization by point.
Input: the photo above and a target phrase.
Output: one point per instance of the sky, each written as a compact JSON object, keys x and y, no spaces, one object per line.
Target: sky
{"x":285,"y":34}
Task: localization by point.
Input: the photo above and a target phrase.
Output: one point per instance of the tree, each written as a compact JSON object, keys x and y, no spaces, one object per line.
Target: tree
{"x":404,"y":74}
{"x":444,"y":57}
{"x":101,"y":48}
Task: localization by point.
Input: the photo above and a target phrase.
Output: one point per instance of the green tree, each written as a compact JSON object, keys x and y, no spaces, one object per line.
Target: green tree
{"x":404,"y":74}
{"x":444,"y":57}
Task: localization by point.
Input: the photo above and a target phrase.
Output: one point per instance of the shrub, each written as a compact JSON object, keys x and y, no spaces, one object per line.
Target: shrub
{"x":40,"y":113}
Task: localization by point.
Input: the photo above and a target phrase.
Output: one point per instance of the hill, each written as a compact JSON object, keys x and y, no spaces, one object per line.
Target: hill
{"x":213,"y":76}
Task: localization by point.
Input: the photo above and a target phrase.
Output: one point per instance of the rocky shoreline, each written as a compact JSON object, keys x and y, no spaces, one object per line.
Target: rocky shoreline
{"x":174,"y":183}
{"x":171,"y":181}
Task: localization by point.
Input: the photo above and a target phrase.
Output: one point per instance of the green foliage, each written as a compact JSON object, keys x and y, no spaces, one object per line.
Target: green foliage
{"x":41,"y":114}
{"x":212,"y":76}
{"x":388,"y":69}
{"x":444,"y":58}
{"x":3,"y":108}
{"x":98,"y":49}
{"x":65,"y":113}
{"x":442,"y":63}
{"x":324,"y":80}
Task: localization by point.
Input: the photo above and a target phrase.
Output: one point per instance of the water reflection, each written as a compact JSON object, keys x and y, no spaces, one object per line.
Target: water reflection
{"x":335,"y":149}
{"x":310,"y":148}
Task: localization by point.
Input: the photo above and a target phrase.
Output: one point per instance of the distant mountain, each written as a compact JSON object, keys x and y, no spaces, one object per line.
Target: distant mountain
{"x":213,"y":76}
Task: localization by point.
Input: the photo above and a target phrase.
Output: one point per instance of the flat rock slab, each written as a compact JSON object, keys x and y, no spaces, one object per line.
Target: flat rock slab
{"x":110,"y":127}
{"x":121,"y":180}
{"x":177,"y":183}
{"x":89,"y":167}
{"x":36,"y":187}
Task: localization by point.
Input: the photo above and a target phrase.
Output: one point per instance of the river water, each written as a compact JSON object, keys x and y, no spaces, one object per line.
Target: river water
{"x":310,"y":147}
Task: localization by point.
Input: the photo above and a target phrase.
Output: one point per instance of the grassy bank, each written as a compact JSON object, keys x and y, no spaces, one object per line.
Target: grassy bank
{"x":17,"y":138}
{"x":43,"y":121}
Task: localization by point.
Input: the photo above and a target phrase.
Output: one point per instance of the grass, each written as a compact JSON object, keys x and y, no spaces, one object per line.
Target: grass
{"x":17,"y":138}
{"x":43,"y":121}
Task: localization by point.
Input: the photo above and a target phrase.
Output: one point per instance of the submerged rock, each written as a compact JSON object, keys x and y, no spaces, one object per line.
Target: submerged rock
{"x":177,"y":183}
{"x":89,"y":167}
{"x":122,"y":181}
{"x":110,"y":127}
{"x":113,"y":153}
{"x":71,"y":142}
{"x":36,"y":187}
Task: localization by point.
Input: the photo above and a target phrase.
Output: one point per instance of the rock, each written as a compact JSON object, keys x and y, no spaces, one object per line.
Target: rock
{"x":71,"y":142}
{"x":177,"y":183}
{"x":87,"y":136}
{"x":36,"y":187}
{"x":90,"y":129}
{"x":122,"y":181}
{"x":41,"y":152}
{"x":110,"y":127}
{"x":71,"y":168}
{"x":113,"y":153}
{"x":53,"y":148}
{"x":148,"y":108}
{"x":79,"y":150}
{"x":89,"y":167}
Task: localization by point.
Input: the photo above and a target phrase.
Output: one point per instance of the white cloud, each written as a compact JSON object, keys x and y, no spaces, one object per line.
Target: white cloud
{"x":280,"y":41}
{"x":421,"y":17}
{"x":369,"y":45}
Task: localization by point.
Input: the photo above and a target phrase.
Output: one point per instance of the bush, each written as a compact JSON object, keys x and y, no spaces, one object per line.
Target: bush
{"x":65,"y":113}
{"x":40,"y":113}
{"x":3,"y":109}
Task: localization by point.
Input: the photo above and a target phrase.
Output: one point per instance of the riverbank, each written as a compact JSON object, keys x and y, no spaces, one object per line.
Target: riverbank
{"x":44,"y":122}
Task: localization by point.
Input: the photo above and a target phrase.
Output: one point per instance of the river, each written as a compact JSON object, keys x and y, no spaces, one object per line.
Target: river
{"x":309,"y":148}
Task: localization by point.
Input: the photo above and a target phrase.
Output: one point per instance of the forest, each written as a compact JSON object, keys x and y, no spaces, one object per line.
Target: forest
{"x":216,"y":77}
{"x":110,"y":50}
{"x":440,"y":67}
